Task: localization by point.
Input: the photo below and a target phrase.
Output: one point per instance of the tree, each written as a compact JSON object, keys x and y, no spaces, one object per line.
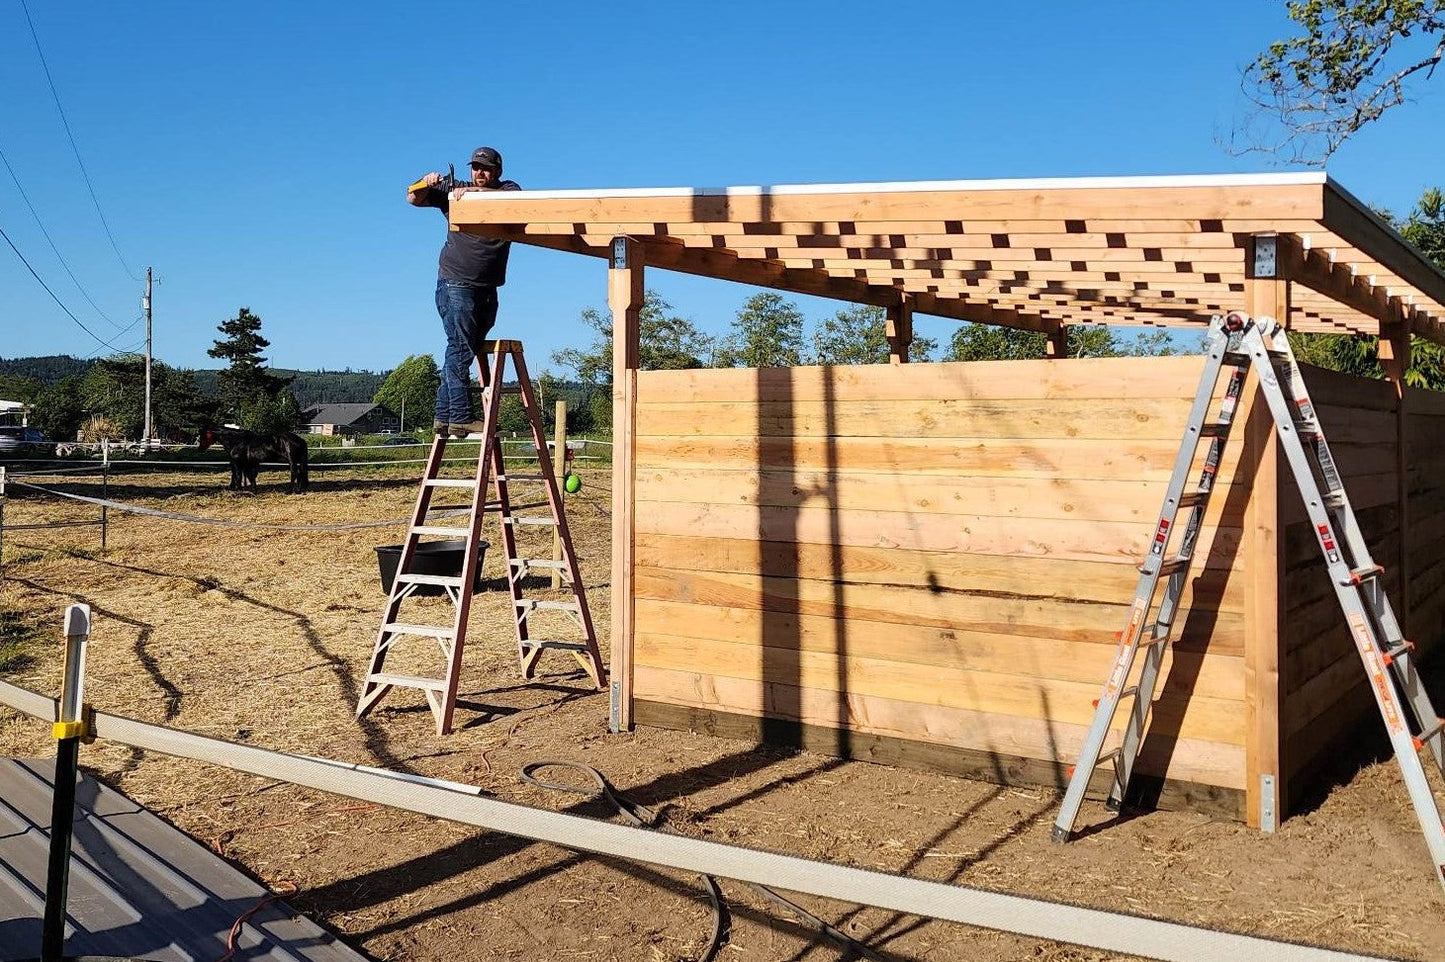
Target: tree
{"x":986,"y":342}
{"x":257,"y":399}
{"x":60,"y":409}
{"x":411,"y":388}
{"x":858,"y":335}
{"x":1354,"y":62}
{"x":768,"y":332}
{"x":666,"y":343}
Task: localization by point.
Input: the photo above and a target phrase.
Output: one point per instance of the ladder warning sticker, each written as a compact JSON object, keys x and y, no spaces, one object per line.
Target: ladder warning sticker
{"x":1327,"y":541}
{"x":1384,"y":691}
{"x":1161,"y":537}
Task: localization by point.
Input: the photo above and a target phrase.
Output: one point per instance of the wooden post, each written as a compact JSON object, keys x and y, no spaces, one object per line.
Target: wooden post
{"x":625,"y":290}
{"x":1394,"y":354}
{"x":1058,"y":346}
{"x":899,"y":329}
{"x":1266,"y":295}
{"x":559,"y":474}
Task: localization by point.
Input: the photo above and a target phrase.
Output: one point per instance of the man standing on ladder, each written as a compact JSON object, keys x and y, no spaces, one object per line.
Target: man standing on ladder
{"x":469,"y":272}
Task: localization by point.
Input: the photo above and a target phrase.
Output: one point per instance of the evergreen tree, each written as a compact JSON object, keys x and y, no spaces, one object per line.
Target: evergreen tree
{"x":256,"y":398}
{"x":768,"y":332}
{"x":858,"y":336}
{"x":60,"y":409}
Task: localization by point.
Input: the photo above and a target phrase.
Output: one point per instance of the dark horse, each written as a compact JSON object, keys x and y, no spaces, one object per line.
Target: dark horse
{"x":247,"y":450}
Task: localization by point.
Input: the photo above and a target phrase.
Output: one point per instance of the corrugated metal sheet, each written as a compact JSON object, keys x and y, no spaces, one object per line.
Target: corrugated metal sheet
{"x":138,"y":887}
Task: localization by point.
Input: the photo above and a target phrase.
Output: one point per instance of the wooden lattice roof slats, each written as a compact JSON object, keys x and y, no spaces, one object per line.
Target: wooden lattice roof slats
{"x":1034,"y":254}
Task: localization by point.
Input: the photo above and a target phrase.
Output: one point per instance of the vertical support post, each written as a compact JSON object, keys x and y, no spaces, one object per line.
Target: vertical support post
{"x":898,"y":328}
{"x":1058,"y":345}
{"x":1266,"y":785}
{"x":69,"y":729}
{"x":104,"y":495}
{"x":625,"y":292}
{"x":1394,"y":354}
{"x":559,"y":471}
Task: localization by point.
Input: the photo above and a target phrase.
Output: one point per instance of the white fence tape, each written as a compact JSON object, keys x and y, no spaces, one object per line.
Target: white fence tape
{"x":1059,"y":922}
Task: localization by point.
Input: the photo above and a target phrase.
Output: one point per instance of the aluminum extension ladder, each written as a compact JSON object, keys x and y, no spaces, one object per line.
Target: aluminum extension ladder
{"x":1239,"y":343}
{"x":426,"y":520}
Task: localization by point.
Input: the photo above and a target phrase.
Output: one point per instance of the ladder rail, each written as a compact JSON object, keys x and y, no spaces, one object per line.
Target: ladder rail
{"x":1147,"y":586}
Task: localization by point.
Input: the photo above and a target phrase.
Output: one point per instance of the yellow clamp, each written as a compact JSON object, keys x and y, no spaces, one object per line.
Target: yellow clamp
{"x":76,"y":729}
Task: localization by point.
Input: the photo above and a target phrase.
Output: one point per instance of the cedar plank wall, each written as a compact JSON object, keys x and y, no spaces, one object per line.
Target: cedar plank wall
{"x":1325,"y":696}
{"x":928,"y":564}
{"x":1425,"y":477}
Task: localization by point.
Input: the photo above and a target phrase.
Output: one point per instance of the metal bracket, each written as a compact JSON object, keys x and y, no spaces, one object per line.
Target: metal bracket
{"x":1266,"y":256}
{"x":619,"y":253}
{"x":614,"y":717}
{"x":1268,"y":810}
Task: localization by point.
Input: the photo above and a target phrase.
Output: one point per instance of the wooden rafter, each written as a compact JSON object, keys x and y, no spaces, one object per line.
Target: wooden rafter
{"x":1037,"y":255}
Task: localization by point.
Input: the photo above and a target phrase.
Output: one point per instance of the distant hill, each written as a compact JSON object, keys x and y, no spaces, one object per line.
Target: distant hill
{"x":310,"y":387}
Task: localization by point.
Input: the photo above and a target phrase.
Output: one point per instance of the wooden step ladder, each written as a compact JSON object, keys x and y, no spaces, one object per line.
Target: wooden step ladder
{"x":434,"y":519}
{"x":1240,"y":343}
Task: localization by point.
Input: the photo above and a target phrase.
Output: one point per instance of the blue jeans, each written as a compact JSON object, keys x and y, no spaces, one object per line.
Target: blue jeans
{"x":468,"y":313}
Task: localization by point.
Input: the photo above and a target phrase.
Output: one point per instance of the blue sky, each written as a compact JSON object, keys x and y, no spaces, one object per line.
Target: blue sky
{"x":257,"y":154}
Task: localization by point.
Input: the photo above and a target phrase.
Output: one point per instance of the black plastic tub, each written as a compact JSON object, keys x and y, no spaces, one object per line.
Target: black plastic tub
{"x":431,"y":558}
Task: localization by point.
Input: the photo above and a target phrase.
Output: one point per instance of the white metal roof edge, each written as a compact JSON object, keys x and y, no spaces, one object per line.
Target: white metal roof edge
{"x":1033,"y":183}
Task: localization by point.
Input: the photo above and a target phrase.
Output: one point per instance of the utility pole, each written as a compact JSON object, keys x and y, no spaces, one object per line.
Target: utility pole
{"x":146,"y":304}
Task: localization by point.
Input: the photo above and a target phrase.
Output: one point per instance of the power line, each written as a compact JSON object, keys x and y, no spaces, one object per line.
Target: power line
{"x":86,"y":174}
{"x":52,"y":293}
{"x":46,"y":233}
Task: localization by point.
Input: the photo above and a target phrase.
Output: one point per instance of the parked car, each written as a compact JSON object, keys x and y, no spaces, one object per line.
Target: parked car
{"x":15,"y":440}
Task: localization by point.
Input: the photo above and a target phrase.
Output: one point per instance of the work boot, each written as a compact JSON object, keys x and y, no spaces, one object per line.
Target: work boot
{"x":461,"y":430}
{"x":440,"y":427}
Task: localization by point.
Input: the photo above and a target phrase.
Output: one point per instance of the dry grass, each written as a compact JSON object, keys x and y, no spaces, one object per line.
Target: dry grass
{"x":261,"y":636}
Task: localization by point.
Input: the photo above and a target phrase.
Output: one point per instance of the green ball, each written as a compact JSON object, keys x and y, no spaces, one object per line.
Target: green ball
{"x":573,"y":484}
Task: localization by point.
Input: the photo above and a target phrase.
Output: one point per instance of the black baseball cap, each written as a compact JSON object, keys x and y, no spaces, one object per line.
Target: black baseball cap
{"x":486,"y":157}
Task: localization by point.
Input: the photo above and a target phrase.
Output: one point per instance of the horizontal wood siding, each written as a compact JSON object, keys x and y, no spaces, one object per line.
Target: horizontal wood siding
{"x":934,"y":554}
{"x":1325,"y":694}
{"x":1425,"y":539}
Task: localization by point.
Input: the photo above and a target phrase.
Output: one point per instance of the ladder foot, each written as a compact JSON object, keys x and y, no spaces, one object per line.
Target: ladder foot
{"x":1060,"y":835}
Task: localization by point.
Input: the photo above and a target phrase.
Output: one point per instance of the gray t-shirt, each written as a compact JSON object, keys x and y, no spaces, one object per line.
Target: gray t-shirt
{"x":466,"y":257}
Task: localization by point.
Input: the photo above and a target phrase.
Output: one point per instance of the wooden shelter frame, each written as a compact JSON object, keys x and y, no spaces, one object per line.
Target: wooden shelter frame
{"x":1038,"y":255}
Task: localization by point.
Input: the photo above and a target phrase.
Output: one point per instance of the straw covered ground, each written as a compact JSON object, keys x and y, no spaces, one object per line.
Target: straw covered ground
{"x":262,"y":636}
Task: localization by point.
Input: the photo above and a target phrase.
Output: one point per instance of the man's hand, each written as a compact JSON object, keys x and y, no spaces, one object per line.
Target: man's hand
{"x":415,"y":191}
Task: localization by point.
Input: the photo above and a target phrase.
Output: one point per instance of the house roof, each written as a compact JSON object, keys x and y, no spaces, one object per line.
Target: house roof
{"x":1033,"y":254}
{"x":347,"y":413}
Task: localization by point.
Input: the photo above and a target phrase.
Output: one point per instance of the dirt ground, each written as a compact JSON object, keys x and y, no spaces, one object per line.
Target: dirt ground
{"x":262,"y":636}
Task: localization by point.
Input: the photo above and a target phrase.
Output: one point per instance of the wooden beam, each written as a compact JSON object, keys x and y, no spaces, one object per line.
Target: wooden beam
{"x":899,"y":329}
{"x":1346,"y":217}
{"x":625,"y":295}
{"x":1058,"y":345}
{"x":1265,"y":296}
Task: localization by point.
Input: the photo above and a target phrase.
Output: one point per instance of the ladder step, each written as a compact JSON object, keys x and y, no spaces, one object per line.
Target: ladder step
{"x":1428,"y":734}
{"x":442,"y":530}
{"x":431,"y":631}
{"x":1171,"y":566}
{"x":533,"y":521}
{"x":1192,"y":498}
{"x":408,"y":681}
{"x":449,"y":482}
{"x":1214,"y":429}
{"x":558,"y":645}
{"x":445,"y":581}
{"x":521,"y":477}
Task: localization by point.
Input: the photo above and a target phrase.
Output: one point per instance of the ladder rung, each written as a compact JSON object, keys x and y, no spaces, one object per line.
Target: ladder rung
{"x":440,"y":529}
{"x":559,"y":645}
{"x":433,"y":631}
{"x":1429,"y":733}
{"x":521,"y":477}
{"x":533,"y":521}
{"x":408,"y":681}
{"x":1151,"y":636}
{"x":449,"y":482}
{"x":1214,"y":429}
{"x":1237,"y":360}
{"x":1191,"y":498}
{"x":543,"y":563}
{"x":532,"y":605}
{"x":446,"y":581}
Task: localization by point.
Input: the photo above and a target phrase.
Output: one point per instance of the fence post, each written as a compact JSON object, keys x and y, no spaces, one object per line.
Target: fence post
{"x":559,"y":474}
{"x":68,"y":730}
